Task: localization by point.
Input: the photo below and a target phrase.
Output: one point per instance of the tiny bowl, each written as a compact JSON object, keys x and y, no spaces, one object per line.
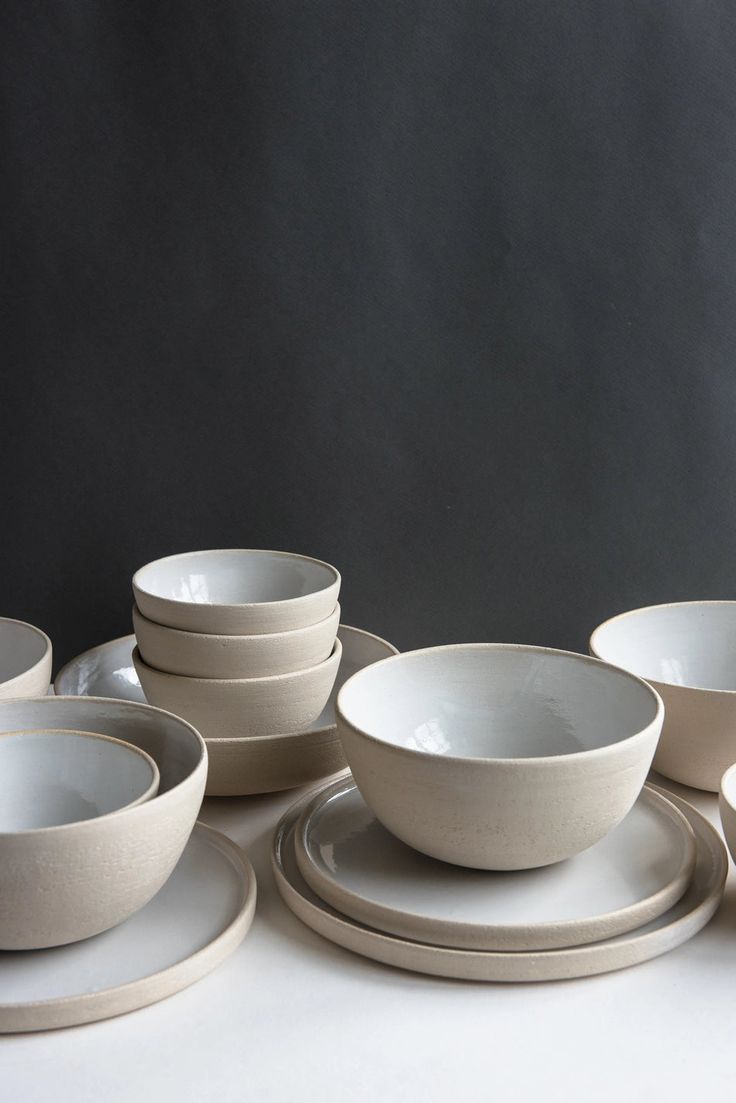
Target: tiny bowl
{"x":236,"y":592}
{"x":727,"y":808}
{"x":55,"y":777}
{"x":202,"y":655}
{"x":227,"y":707}
{"x":498,"y":756}
{"x":25,"y":660}
{"x":687,"y":652}
{"x":93,"y":874}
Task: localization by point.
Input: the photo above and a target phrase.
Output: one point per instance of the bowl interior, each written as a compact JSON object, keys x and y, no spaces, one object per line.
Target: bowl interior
{"x":479,"y":701}
{"x":49,"y":778}
{"x":21,"y":647}
{"x":237,"y":577}
{"x":693,"y":644}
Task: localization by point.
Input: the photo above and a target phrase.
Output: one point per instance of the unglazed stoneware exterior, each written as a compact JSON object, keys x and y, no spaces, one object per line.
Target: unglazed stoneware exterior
{"x":25,"y":660}
{"x":498,"y":756}
{"x":224,"y":708}
{"x":94,"y":874}
{"x":199,"y":917}
{"x":727,"y":808}
{"x":634,"y":874}
{"x":239,"y":767}
{"x":55,"y":777}
{"x":687,"y":652}
{"x":695,"y":908}
{"x":197,"y":655}
{"x":236,"y":591}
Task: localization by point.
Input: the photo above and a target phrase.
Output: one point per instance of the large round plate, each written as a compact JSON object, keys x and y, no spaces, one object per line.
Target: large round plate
{"x":671,"y":929}
{"x":238,"y":766}
{"x":634,"y":874}
{"x":201,"y":915}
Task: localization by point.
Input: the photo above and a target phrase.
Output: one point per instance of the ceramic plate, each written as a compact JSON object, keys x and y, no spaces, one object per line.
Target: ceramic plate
{"x":638,"y":871}
{"x":201,"y":915}
{"x":254,"y":764}
{"x":671,"y":929}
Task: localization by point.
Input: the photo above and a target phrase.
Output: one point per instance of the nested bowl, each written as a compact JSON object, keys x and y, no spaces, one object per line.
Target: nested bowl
{"x":53,"y":777}
{"x":237,"y":591}
{"x":498,"y":756}
{"x":25,"y":660}
{"x":229,"y":707}
{"x":94,"y":874}
{"x":687,"y":652}
{"x":204,"y":655}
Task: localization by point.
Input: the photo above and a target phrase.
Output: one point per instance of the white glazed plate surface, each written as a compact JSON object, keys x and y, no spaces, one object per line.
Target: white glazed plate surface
{"x":671,"y":929}
{"x":634,"y":874}
{"x":200,"y":916}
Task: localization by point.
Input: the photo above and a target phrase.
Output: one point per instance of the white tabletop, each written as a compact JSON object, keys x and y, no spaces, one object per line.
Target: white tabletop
{"x":291,"y":1016}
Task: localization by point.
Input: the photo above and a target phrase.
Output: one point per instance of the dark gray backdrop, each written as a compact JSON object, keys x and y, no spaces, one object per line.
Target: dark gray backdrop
{"x":443,"y":292}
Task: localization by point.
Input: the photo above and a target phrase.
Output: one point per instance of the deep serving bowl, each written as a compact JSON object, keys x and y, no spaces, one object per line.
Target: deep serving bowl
{"x":227,"y":707}
{"x":727,"y":808}
{"x":53,"y":777}
{"x":25,"y":660}
{"x":94,"y":874}
{"x":203,"y":655}
{"x":239,"y":591}
{"x":498,"y":756}
{"x":687,"y":652}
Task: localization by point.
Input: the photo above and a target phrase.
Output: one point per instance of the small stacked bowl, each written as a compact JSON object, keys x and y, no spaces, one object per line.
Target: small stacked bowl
{"x":242,"y":643}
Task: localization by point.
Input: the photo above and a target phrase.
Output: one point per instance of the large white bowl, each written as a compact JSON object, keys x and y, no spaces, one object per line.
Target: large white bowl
{"x":94,"y":874}
{"x":55,"y":777}
{"x":687,"y":651}
{"x":203,"y":655}
{"x":227,"y":707}
{"x":498,"y":756}
{"x":25,"y":660}
{"x":236,"y":591}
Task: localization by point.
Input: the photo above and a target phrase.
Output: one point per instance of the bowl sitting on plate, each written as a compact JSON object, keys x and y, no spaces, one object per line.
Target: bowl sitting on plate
{"x":94,"y":873}
{"x":498,"y":756}
{"x":687,"y":652}
{"x":25,"y":660}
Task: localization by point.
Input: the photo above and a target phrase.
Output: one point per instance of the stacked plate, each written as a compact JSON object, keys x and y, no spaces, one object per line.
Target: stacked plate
{"x":491,"y":874}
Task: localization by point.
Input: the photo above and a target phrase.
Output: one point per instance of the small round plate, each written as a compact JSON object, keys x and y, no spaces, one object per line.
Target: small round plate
{"x":691,"y":913}
{"x":201,"y":915}
{"x":238,"y":766}
{"x":634,"y":874}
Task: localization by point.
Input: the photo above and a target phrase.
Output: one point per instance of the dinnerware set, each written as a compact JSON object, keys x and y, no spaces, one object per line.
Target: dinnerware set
{"x":494,"y":823}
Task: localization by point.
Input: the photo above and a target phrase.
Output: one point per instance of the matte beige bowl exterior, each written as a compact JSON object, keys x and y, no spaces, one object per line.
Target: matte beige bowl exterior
{"x":499,"y":813}
{"x":35,"y":681}
{"x":246,"y":619}
{"x":202,"y":655}
{"x":94,"y":874}
{"x":228,"y":708}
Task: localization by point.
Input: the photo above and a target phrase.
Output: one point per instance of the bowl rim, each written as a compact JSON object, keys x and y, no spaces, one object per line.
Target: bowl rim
{"x":44,"y":658}
{"x":214,"y":606}
{"x":646,"y":609}
{"x":148,"y":793}
{"x":722,"y":794}
{"x":507,"y":762}
{"x":220,"y":637}
{"x":334,"y":656}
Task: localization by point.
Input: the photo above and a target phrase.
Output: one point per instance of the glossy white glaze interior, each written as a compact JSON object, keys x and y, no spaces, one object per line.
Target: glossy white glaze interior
{"x":234,"y":577}
{"x":21,"y":647}
{"x":689,"y":644}
{"x":496,"y":701}
{"x":639,"y":858}
{"x":49,"y":778}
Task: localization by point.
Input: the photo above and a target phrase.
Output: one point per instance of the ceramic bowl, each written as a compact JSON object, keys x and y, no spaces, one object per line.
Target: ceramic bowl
{"x":227,"y":707}
{"x":93,"y":874}
{"x":236,"y":592}
{"x":727,"y":808}
{"x":55,"y":777}
{"x":201,"y":655}
{"x":25,"y":660}
{"x":498,"y":756}
{"x":687,"y":652}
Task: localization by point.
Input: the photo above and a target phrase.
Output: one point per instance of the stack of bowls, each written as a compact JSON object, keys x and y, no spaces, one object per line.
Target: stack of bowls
{"x":242,"y":643}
